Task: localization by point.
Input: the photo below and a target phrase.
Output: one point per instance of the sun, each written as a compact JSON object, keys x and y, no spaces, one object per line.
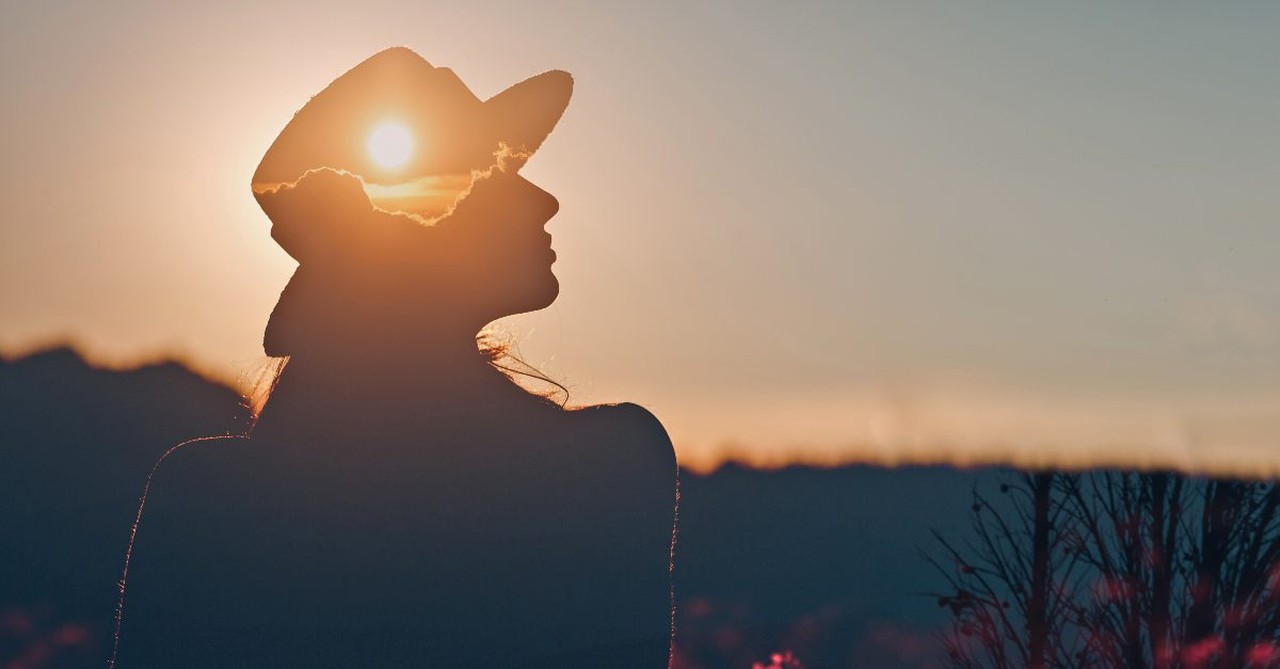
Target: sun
{"x":390,"y":145}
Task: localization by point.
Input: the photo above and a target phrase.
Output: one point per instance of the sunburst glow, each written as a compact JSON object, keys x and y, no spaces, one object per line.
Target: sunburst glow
{"x":390,"y":145}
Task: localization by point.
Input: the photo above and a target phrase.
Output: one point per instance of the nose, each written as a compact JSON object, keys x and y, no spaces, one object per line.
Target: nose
{"x":541,"y":201}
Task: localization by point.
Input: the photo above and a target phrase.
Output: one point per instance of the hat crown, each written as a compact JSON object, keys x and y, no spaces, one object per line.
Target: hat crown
{"x":451,"y":131}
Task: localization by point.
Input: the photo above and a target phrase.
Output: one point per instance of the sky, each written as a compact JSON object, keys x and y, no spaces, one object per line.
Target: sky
{"x":1038,"y":233}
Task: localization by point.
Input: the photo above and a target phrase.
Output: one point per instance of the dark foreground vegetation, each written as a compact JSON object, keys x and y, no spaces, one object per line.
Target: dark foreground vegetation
{"x":1115,"y":570}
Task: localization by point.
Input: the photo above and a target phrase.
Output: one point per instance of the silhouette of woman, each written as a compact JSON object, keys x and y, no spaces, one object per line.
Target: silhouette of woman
{"x":401,"y":502}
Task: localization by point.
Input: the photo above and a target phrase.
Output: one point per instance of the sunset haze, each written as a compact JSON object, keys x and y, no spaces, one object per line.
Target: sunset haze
{"x":872,"y":231}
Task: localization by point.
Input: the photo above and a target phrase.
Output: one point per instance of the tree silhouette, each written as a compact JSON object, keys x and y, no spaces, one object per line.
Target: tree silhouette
{"x":1117,"y":569}
{"x":1007,"y":580}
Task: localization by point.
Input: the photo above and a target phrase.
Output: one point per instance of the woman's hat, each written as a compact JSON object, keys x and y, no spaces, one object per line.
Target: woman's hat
{"x":448,"y":133}
{"x":453,"y":130}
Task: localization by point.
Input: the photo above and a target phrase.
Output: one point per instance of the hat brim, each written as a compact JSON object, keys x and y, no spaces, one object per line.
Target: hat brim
{"x":523,"y":115}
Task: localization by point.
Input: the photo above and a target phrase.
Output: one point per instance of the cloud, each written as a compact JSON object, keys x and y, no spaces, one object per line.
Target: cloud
{"x":328,"y":211}
{"x":425,"y":199}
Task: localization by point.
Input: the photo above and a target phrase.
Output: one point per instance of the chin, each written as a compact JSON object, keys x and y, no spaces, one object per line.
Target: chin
{"x":536,"y":292}
{"x":543,"y":291}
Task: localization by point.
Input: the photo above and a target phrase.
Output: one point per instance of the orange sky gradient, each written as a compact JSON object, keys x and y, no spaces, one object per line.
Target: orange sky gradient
{"x":876,"y":232}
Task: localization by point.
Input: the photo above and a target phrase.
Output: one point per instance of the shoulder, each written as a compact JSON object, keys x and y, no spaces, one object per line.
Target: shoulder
{"x":625,"y":419}
{"x":633,"y":430}
{"x":196,"y":509}
{"x":188,"y":556}
{"x":196,"y":479}
{"x":200,"y":460}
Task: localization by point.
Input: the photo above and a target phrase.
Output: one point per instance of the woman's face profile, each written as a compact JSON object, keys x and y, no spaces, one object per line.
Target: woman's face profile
{"x":496,"y":246}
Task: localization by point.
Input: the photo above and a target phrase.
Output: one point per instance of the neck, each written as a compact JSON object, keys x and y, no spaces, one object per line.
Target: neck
{"x":365,"y":386}
{"x":393,"y":360}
